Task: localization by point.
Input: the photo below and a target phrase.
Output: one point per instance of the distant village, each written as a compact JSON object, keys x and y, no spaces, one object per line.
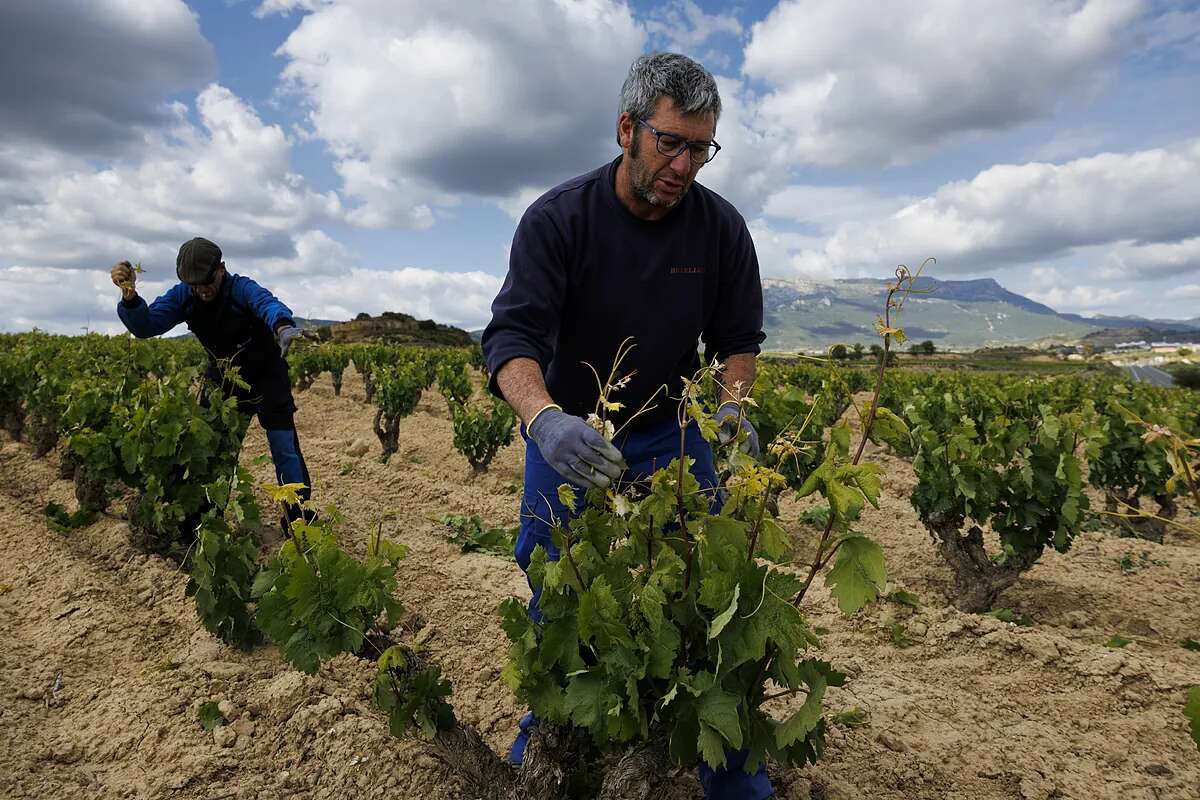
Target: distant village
{"x":1079,"y":352}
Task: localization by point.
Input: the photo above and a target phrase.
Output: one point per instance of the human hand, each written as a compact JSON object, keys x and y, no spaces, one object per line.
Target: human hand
{"x":727,"y":428}
{"x":575,"y":450}
{"x":285,"y":335}
{"x":124,"y":277}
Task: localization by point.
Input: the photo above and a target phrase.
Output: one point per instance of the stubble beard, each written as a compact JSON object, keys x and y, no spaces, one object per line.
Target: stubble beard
{"x":642,"y":180}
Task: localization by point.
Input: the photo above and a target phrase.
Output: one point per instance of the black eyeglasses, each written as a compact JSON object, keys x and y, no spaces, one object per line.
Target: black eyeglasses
{"x":212,"y":278}
{"x":671,"y":145}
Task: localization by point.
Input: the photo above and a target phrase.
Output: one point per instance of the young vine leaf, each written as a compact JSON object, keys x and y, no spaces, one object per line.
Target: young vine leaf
{"x":209,"y":716}
{"x":411,"y":694}
{"x":1192,"y":711}
{"x":858,"y":575}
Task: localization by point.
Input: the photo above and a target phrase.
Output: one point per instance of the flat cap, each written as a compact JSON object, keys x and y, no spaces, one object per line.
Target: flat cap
{"x":198,"y":259}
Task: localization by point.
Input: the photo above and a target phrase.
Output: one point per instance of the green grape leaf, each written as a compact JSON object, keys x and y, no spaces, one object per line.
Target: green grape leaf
{"x":867,"y":478}
{"x":586,"y":701}
{"x":567,"y":496}
{"x":889,"y":428}
{"x":705,"y":421}
{"x":712,"y":747}
{"x":411,"y":694}
{"x":853,"y":717}
{"x":722,"y":619}
{"x":773,"y":542}
{"x":903,"y":597}
{"x":1192,"y":711}
{"x":858,"y":574}
{"x":1011,"y":617}
{"x":209,"y":716}
{"x":815,"y":675}
{"x":719,"y":710}
{"x":839,"y":439}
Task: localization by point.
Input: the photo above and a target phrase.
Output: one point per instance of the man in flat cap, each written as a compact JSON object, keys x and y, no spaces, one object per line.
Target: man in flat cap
{"x":233,"y":318}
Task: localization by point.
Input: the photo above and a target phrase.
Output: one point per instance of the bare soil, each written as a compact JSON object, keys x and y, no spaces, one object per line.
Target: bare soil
{"x":103,"y":662}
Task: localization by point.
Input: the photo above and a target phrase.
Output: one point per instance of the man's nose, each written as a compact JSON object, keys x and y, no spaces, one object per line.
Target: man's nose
{"x":682,"y":163}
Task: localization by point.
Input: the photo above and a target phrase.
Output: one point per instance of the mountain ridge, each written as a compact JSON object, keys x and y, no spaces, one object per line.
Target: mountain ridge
{"x":954,"y":314}
{"x":812,"y":315}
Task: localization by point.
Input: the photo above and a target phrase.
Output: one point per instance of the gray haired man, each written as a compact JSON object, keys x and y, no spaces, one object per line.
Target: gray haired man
{"x":636,"y":249}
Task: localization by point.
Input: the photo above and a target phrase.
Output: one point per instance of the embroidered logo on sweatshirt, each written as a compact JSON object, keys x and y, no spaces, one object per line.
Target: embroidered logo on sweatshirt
{"x":687,"y":270}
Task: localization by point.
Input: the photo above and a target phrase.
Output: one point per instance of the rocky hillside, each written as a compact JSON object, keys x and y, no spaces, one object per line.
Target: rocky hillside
{"x":395,"y":328}
{"x":1111,"y":337}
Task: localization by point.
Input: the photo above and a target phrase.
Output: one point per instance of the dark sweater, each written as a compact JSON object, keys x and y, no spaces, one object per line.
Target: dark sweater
{"x":239,"y":323}
{"x":584,"y":273}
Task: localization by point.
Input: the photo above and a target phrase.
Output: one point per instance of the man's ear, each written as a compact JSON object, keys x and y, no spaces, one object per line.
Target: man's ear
{"x":625,"y":130}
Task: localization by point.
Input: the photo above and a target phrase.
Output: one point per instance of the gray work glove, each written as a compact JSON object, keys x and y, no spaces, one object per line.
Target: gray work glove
{"x":285,"y":335}
{"x":726,"y":418}
{"x":575,"y":450}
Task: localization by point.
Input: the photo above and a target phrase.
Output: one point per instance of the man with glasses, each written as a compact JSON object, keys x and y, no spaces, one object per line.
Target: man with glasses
{"x":635,"y":249}
{"x":233,"y":318}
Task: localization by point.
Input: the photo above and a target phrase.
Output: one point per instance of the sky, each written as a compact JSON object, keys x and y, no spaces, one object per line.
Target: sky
{"x":376,"y":155}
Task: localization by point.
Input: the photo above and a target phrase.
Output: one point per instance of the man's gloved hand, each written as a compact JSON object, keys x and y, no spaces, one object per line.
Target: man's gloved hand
{"x":124,"y":277}
{"x":285,"y":335}
{"x":726,"y":418}
{"x":575,"y":450}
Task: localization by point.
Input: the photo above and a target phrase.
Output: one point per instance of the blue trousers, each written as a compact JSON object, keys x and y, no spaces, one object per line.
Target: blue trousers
{"x":645,"y":452}
{"x":289,"y":464}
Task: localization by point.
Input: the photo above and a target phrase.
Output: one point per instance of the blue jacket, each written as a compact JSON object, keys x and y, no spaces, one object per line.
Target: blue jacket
{"x":239,"y":323}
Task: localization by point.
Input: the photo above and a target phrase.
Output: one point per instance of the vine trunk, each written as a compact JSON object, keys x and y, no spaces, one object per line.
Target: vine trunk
{"x":978,"y":580}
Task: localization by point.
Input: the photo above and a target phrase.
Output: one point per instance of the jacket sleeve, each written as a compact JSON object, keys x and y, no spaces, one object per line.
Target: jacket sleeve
{"x":736,"y":325}
{"x":265,"y":305}
{"x":167,"y":311}
{"x":527,"y":312}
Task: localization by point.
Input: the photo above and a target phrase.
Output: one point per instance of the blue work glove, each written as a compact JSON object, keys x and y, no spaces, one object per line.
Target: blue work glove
{"x":575,"y":450}
{"x":285,"y":335}
{"x":726,"y":418}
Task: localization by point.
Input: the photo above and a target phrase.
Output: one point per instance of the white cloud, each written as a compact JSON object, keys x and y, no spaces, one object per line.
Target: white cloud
{"x":748,"y":169}
{"x":1069,"y":291}
{"x":1011,"y":214}
{"x":456,"y":298}
{"x":516,"y":204}
{"x":60,"y":300}
{"x":825,"y":206}
{"x":784,"y":254}
{"x":268,"y":7}
{"x":227,"y":179}
{"x":316,"y":254}
{"x":861,"y":81}
{"x":89,"y":76}
{"x":1087,"y":300}
{"x":683,"y":27}
{"x":1133,"y":260}
{"x":1188,"y":291}
{"x":385,"y":201}
{"x":67,"y":300}
{"x":423,"y":102}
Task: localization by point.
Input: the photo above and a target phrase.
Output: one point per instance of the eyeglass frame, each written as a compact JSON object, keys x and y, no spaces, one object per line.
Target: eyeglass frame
{"x":687,"y":143}
{"x":212,"y":277}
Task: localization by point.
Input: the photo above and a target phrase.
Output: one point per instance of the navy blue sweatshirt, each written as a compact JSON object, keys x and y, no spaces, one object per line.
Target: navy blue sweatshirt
{"x":584,"y":273}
